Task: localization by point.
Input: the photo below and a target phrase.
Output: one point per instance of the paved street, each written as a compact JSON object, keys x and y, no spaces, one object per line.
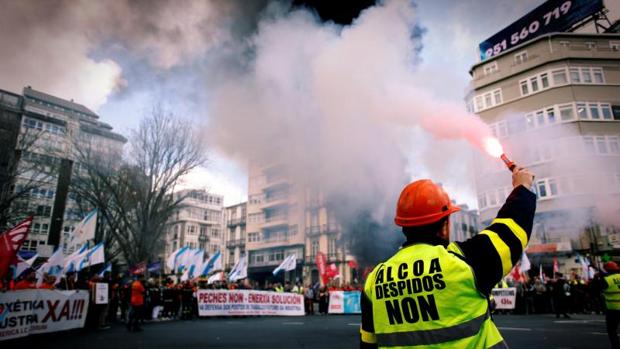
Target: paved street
{"x":324,"y":332}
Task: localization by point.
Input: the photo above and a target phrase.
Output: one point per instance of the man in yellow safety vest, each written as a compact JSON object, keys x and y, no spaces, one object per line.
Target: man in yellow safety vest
{"x":433,"y":293}
{"x":611,"y":292}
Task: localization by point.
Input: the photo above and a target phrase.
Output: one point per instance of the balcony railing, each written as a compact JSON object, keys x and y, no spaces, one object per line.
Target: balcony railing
{"x":236,"y":221}
{"x":235,"y":243}
{"x":272,"y":219}
{"x":316,"y":230}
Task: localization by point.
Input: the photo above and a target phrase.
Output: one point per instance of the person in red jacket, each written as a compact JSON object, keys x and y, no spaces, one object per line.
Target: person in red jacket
{"x":137,"y":305}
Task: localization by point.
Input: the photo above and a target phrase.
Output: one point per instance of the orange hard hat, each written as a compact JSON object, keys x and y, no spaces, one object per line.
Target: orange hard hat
{"x":611,"y":266}
{"x":423,"y":202}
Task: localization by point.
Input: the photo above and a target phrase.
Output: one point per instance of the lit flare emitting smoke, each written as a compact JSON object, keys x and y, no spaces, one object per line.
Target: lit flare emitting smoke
{"x":495,"y":149}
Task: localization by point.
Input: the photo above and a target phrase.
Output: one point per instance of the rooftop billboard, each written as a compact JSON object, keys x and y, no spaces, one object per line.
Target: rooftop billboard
{"x":552,"y":16}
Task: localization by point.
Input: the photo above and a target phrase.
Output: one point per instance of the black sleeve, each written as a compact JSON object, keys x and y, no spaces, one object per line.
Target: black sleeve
{"x":367,"y":321}
{"x":486,"y":252}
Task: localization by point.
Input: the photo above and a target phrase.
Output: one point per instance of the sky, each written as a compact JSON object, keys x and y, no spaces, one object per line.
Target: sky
{"x":121,"y":58}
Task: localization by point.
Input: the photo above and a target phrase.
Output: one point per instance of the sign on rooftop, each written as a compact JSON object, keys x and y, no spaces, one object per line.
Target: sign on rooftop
{"x":552,"y":16}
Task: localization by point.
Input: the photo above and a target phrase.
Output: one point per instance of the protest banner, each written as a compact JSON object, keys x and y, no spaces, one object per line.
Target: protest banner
{"x":344,"y":302}
{"x":249,"y":302}
{"x":505,"y":298}
{"x":101,"y":293}
{"x":27,"y":312}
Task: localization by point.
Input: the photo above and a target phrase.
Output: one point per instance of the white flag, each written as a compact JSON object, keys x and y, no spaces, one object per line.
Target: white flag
{"x":196,"y":263}
{"x":240,"y":270}
{"x":173,"y":259}
{"x":85,"y":230}
{"x":95,"y":255}
{"x":214,"y":263}
{"x":55,"y":263}
{"x":185,"y":275}
{"x":289,"y":263}
{"x":216,"y":277}
{"x":22,"y":265}
{"x":525,"y":263}
{"x":73,"y":261}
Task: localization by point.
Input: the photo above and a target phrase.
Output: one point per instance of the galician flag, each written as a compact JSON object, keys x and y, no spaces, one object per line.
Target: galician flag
{"x":108,"y":268}
{"x":24,"y":264}
{"x":85,"y":230}
{"x":172,"y":260}
{"x":74,"y":260}
{"x":240,"y":270}
{"x":214,"y":263}
{"x":289,"y":263}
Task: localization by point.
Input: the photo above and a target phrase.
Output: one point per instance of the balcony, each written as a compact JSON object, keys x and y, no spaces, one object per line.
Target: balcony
{"x":275,"y":221}
{"x":235,"y":243}
{"x":314,"y":230}
{"x":275,"y":200}
{"x":235,"y":222}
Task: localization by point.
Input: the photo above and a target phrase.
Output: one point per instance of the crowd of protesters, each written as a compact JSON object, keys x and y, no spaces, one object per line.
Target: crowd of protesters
{"x":559,"y":295}
{"x":133,"y":299}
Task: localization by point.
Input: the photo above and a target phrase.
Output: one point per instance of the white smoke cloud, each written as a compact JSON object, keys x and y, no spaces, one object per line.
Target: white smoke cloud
{"x":340,"y":106}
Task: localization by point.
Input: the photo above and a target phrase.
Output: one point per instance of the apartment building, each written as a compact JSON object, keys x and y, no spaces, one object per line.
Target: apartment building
{"x":464,"y":223}
{"x":236,"y":217}
{"x":197,"y":223}
{"x":554,"y":103}
{"x":285,"y":218}
{"x":49,"y":130}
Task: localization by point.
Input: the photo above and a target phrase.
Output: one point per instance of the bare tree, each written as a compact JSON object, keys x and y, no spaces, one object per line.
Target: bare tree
{"x":33,"y":165}
{"x":134,"y":195}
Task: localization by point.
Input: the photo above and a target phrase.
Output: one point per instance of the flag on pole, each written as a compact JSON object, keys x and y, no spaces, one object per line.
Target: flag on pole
{"x":24,"y":264}
{"x":85,"y":230}
{"x":72,"y":262}
{"x":139,"y":268}
{"x":216,"y":277}
{"x":289,"y":263}
{"x":214,"y":263}
{"x":154,"y":267}
{"x":185,"y":275}
{"x":240,"y":270}
{"x":10,"y":242}
{"x":525,"y":263}
{"x":173,"y":259}
{"x":196,"y":263}
{"x":95,"y":255}
{"x":185,"y":259}
{"x":107,"y":269}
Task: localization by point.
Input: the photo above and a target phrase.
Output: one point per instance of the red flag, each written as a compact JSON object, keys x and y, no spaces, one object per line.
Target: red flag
{"x":137,"y":269}
{"x":321,"y":263}
{"x":332,"y":271}
{"x":516,"y":273}
{"x":10,"y":242}
{"x":353,"y":264}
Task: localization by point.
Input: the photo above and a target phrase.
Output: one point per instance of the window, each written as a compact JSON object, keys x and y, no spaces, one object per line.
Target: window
{"x":598,"y":75}
{"x":565,"y":44}
{"x":614,"y":144}
{"x":559,"y":77}
{"x":601,"y":145}
{"x":314,"y":248}
{"x":614,"y":45}
{"x":524,"y":88}
{"x":490,"y":68}
{"x":529,"y":121}
{"x":553,"y":187}
{"x":594,"y":113}
{"x":540,"y":118}
{"x":574,"y":75}
{"x":492,"y":198}
{"x":253,"y":237}
{"x":488,"y":100}
{"x":606,"y":111}
{"x":551,"y":115}
{"x":590,"y":45}
{"x":588,"y":143}
{"x":331,"y":246}
{"x":582,"y":112}
{"x":521,"y":57}
{"x":542,"y":189}
{"x":544,"y":80}
{"x":497,"y":95}
{"x":534,"y":84}
{"x":482,"y":201}
{"x":587,"y":76}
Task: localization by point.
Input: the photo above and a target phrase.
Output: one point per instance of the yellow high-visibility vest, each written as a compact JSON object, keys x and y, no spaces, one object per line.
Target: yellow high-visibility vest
{"x":425,"y":296}
{"x":612,"y":292}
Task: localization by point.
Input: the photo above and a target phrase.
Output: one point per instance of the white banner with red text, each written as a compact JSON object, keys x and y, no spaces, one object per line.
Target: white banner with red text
{"x":505,"y":298}
{"x":27,"y":312}
{"x":344,"y":302}
{"x":249,"y":302}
